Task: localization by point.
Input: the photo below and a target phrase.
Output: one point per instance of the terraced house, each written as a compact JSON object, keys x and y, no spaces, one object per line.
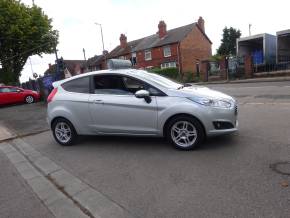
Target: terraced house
{"x":183,"y":47}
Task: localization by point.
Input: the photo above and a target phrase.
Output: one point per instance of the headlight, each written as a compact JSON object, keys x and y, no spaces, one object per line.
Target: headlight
{"x":211,"y":102}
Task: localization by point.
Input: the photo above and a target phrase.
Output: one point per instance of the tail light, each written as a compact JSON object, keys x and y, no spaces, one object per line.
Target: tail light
{"x":51,"y":95}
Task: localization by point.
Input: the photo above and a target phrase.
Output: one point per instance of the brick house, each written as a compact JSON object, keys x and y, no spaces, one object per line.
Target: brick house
{"x":183,"y":47}
{"x":71,"y":68}
{"x":98,"y":62}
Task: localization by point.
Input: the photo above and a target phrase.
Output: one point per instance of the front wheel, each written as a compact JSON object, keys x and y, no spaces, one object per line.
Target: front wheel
{"x":185,"y":132}
{"x":29,"y":99}
{"x":64,"y":132}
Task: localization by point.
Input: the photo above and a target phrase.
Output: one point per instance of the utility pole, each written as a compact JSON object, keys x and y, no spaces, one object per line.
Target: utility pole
{"x":31,"y":65}
{"x":101,"y":35}
{"x":84,"y":51}
{"x":250,"y":25}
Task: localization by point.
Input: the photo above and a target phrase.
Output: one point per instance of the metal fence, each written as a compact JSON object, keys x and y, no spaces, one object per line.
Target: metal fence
{"x":268,"y":66}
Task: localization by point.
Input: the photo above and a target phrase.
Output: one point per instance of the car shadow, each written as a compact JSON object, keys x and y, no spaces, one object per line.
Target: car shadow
{"x":134,"y":142}
{"x":21,"y":104}
{"x":123,"y":141}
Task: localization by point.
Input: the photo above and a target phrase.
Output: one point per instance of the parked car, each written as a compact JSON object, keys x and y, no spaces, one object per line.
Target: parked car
{"x":11,"y":95}
{"x":136,"y":102}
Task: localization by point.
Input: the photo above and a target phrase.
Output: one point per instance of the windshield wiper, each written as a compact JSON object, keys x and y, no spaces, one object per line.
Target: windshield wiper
{"x":184,"y":85}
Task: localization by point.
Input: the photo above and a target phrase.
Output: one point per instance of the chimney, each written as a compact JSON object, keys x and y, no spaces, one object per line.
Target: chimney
{"x":162,"y":29}
{"x":123,"y":41}
{"x":49,"y":66}
{"x":200,"y":23}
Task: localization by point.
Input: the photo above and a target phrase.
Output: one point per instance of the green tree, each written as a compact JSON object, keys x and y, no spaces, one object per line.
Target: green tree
{"x":24,"y":31}
{"x":228,"y":45}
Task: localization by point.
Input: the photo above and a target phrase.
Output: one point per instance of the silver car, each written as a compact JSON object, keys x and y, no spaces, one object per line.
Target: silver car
{"x":136,"y":102}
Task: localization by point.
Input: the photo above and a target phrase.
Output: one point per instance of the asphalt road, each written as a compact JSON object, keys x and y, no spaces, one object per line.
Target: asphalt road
{"x":23,"y":119}
{"x":229,"y":176}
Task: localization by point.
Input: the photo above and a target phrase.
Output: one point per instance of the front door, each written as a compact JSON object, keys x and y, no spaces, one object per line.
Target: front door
{"x":115,"y":109}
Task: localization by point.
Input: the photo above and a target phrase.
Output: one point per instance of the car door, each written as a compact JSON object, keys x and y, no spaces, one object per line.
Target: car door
{"x":7,"y":95}
{"x":16,"y":95}
{"x":115,"y":109}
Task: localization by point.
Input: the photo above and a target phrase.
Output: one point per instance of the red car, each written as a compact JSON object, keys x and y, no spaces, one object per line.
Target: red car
{"x":11,"y":94}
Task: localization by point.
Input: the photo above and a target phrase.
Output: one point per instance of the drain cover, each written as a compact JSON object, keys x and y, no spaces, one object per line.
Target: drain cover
{"x":281,"y":167}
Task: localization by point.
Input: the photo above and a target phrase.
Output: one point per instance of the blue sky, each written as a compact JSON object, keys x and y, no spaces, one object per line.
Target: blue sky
{"x":136,"y":18}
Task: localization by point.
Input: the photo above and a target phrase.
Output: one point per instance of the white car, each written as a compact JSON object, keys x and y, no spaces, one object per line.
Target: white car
{"x":136,"y":102}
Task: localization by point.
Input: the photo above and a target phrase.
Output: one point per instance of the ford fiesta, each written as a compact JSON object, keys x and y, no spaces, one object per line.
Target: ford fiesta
{"x":136,"y":102}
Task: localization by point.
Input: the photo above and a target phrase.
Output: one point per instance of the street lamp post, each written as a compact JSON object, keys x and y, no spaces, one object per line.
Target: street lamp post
{"x":101,"y":35}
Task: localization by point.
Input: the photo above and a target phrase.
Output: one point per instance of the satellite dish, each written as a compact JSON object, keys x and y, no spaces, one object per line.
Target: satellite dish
{"x":35,"y":75}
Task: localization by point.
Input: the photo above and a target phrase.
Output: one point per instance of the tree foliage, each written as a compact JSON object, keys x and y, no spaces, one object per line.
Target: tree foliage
{"x":228,"y":45}
{"x":24,"y":31}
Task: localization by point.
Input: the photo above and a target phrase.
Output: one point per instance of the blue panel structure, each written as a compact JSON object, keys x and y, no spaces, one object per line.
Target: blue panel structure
{"x":258,"y":57}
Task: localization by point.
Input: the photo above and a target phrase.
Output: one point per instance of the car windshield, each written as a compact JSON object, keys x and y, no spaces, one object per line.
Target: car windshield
{"x":161,"y":80}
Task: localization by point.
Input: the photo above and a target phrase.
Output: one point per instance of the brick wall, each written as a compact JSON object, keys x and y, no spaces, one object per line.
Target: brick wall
{"x":157,"y":57}
{"x":194,"y":48}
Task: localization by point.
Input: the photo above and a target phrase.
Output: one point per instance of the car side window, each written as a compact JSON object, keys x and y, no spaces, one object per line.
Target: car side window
{"x":80,"y":85}
{"x":5,"y":90}
{"x":13,"y":90}
{"x":110,"y":84}
{"x":134,"y":85}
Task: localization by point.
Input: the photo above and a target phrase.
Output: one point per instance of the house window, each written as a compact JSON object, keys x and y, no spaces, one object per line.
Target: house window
{"x":168,"y":65}
{"x":166,"y":51}
{"x":148,"y":55}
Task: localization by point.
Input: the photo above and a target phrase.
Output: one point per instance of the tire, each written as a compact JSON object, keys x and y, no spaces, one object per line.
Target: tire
{"x":185,"y":132}
{"x":64,"y":132}
{"x":29,"y":99}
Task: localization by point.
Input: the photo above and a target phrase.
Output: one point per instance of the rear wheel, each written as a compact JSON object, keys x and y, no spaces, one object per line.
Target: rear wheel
{"x":64,"y":132}
{"x":185,"y":132}
{"x":29,"y":99}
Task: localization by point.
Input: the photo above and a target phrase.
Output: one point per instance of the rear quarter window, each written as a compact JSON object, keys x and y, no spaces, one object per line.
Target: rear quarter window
{"x":80,"y":85}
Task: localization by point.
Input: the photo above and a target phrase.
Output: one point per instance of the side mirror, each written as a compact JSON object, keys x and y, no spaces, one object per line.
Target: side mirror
{"x":143,"y":94}
{"x":18,"y":91}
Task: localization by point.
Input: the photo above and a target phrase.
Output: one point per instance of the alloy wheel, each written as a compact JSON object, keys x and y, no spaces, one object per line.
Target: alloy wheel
{"x":29,"y":99}
{"x":63,"y":132}
{"x":183,"y":133}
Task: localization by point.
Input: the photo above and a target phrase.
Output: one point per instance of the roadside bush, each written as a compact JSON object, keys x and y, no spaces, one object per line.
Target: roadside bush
{"x":171,"y":73}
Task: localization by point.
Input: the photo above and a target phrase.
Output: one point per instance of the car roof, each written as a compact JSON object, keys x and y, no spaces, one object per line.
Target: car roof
{"x":9,"y":87}
{"x":128,"y":72}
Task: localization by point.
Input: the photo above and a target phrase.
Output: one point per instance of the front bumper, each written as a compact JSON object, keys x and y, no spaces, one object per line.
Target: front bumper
{"x":222,"y":116}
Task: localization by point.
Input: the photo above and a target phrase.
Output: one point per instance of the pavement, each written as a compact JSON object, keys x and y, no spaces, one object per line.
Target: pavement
{"x":17,"y":199}
{"x":240,"y":175}
{"x":252,"y":80}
